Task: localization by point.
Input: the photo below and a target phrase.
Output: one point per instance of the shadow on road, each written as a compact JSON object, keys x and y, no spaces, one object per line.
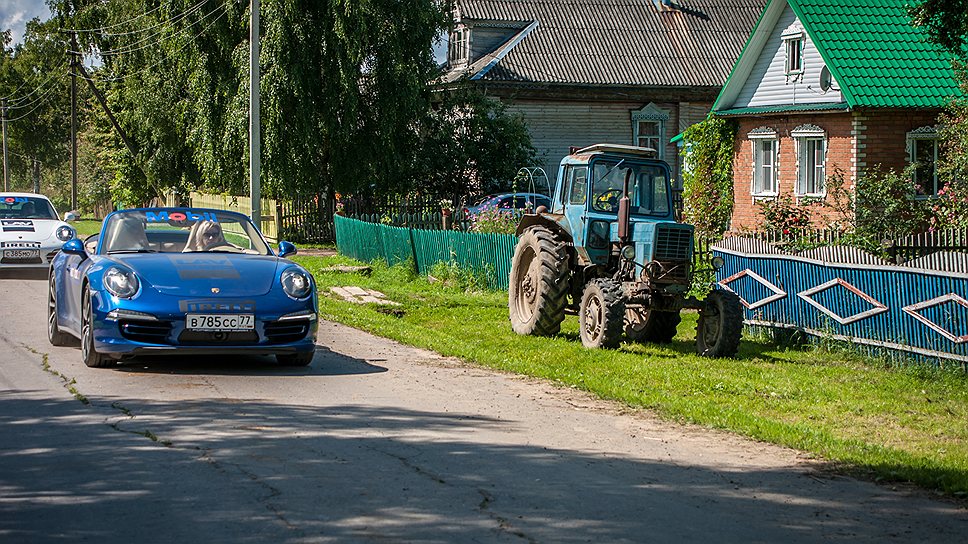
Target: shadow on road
{"x":263,"y":472}
{"x":325,"y":363}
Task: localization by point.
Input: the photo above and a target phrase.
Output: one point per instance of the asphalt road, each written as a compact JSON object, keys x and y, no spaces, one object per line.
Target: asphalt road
{"x":377,"y":442}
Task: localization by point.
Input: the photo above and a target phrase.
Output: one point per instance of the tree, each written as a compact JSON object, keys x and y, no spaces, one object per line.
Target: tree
{"x":945,"y":21}
{"x":708,"y":175}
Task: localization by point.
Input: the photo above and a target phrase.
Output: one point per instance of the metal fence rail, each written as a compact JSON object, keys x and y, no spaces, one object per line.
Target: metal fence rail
{"x":848,"y":294}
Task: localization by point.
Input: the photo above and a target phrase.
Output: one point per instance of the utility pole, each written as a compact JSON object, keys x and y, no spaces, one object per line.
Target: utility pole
{"x":73,"y":65}
{"x":3,"y":116}
{"x":255,"y":136}
{"x":36,"y":176}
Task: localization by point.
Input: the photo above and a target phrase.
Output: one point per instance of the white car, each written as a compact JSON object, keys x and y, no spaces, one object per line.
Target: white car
{"x":30,"y":232}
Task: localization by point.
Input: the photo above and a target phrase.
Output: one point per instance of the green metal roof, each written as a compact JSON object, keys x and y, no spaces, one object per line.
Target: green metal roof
{"x":875,"y":53}
{"x":839,"y":106}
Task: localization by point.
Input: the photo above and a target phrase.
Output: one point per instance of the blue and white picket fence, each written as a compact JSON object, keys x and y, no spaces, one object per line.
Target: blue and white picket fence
{"x":920,"y":307}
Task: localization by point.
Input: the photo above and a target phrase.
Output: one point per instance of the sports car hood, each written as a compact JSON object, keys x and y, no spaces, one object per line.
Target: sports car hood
{"x":197,"y":274}
{"x":36,"y":230}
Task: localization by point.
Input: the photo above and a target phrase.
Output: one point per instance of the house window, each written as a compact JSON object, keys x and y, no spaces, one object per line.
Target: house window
{"x":765,"y":144}
{"x":458,"y":45}
{"x":922,"y":145}
{"x":648,"y":128}
{"x":794,"y":55}
{"x":647,"y":134}
{"x":811,"y":158}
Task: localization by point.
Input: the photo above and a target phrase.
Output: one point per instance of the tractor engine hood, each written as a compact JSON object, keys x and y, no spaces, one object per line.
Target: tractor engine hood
{"x":659,"y":240}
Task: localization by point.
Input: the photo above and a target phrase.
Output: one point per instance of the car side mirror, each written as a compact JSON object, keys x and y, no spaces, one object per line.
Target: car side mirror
{"x":70,"y":216}
{"x":286,"y":249}
{"x":74,"y":247}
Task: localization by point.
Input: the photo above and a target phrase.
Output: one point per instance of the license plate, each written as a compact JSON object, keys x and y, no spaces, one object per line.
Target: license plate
{"x":18,"y":254}
{"x":220,"y":322}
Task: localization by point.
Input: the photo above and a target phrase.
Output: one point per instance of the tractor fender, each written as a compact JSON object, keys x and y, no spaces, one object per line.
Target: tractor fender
{"x":551,"y":221}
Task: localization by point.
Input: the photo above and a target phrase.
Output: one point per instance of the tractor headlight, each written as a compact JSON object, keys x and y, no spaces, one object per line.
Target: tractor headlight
{"x":64,"y":233}
{"x":296,"y":283}
{"x":628,"y":253}
{"x":718,"y":262}
{"x":120,"y":282}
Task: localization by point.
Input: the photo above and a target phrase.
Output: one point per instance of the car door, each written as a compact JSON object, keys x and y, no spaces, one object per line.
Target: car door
{"x":75,"y":267}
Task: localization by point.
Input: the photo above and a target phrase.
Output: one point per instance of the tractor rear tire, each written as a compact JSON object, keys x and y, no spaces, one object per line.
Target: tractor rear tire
{"x":720,"y":325}
{"x":643,"y":325}
{"x":538,"y":285}
{"x":602,"y":314}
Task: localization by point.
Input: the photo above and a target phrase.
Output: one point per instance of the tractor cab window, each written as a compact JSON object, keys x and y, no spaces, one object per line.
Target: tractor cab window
{"x":648,"y":187}
{"x":577,"y":184}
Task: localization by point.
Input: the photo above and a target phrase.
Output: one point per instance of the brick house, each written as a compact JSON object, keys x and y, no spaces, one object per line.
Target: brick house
{"x":832,"y":85}
{"x":618,"y":71}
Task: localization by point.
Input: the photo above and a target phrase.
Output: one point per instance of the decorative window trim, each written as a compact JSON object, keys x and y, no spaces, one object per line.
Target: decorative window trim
{"x":651,"y":112}
{"x":762,"y":132}
{"x":757,"y":135}
{"x":800,"y":135}
{"x":459,"y":54}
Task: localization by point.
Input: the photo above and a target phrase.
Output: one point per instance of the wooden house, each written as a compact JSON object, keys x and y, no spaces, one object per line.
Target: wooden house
{"x":618,"y":71}
{"x":832,"y":85}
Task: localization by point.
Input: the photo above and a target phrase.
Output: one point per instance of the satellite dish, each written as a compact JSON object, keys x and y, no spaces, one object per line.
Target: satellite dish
{"x":825,"y":80}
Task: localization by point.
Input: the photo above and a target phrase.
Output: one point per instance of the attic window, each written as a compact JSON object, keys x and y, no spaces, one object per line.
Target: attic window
{"x":457,"y":46}
{"x":793,"y":44}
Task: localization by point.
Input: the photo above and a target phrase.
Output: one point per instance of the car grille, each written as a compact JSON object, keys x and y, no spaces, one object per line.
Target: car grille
{"x":672,"y":243}
{"x":209,"y":337}
{"x":148,"y":332}
{"x":281,"y":332}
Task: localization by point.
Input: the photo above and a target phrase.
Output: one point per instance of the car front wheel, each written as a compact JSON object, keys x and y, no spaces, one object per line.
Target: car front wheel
{"x":90,"y":355}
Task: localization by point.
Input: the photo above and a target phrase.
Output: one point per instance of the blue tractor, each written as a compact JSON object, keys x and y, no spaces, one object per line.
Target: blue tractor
{"x":609,"y":249}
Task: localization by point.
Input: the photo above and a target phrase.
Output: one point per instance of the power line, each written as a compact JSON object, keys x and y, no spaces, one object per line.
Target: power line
{"x":39,"y":104}
{"x":149,"y":40}
{"x":172,"y":19}
{"x":17,"y":101}
{"x":155,"y":65}
{"x":115,"y":25}
{"x":19,"y":104}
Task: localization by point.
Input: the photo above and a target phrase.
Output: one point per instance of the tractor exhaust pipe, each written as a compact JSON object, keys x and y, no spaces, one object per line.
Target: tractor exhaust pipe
{"x":624,"y":205}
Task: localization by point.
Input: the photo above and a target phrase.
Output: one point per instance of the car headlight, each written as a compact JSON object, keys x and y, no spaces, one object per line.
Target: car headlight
{"x":296,"y":283}
{"x":120,"y":282}
{"x":64,"y":233}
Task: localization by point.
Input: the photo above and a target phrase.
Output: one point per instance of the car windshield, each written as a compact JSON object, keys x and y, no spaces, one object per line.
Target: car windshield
{"x":181,"y":230}
{"x":648,"y":187}
{"x":25,"y":207}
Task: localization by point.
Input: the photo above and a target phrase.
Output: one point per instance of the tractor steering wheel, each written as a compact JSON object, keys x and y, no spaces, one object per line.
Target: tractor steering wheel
{"x":608,"y":200}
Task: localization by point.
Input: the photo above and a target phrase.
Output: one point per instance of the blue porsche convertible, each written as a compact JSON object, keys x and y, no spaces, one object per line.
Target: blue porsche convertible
{"x":181,"y":280}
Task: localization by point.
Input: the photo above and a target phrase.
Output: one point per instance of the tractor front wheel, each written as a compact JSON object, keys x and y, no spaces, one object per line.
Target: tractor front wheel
{"x":538,"y":285}
{"x":601,"y":315}
{"x":720,"y":325}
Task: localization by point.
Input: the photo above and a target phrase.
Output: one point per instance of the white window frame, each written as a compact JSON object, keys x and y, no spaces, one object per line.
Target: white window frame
{"x":794,"y":45}
{"x":653,"y":114}
{"x":757,"y":137}
{"x":458,"y":46}
{"x":913,"y":139}
{"x":803,"y":135}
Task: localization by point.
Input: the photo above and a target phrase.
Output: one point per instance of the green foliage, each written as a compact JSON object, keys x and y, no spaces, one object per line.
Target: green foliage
{"x":886,"y":207}
{"x":471,"y":145}
{"x":945,"y":21}
{"x":708,"y":175}
{"x":784,"y":214}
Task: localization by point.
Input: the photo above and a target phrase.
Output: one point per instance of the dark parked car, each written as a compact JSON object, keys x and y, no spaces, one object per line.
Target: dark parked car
{"x":510,"y":201}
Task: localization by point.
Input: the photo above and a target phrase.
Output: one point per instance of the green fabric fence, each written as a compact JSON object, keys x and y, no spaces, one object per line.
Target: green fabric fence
{"x":488,"y":255}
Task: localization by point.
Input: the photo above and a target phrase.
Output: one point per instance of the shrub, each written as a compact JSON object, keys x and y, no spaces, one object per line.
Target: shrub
{"x":494,"y":220}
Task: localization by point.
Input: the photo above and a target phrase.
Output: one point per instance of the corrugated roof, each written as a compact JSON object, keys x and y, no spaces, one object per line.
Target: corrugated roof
{"x":617,"y":42}
{"x":879,"y":58}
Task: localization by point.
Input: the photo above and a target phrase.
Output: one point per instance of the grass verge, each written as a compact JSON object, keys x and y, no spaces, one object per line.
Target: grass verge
{"x":873,"y":418}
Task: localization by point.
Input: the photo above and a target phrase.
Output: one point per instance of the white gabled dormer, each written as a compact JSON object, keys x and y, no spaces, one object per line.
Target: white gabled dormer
{"x":780,"y":66}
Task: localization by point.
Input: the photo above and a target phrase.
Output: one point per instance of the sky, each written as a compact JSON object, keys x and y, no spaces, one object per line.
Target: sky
{"x":14,"y":15}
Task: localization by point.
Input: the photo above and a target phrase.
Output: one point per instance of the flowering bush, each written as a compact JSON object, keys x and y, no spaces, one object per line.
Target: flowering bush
{"x":950,"y":209}
{"x":784,"y":215}
{"x":492,"y":219}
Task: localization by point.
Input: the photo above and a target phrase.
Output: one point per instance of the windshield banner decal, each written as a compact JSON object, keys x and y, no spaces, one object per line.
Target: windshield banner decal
{"x":186,"y":216}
